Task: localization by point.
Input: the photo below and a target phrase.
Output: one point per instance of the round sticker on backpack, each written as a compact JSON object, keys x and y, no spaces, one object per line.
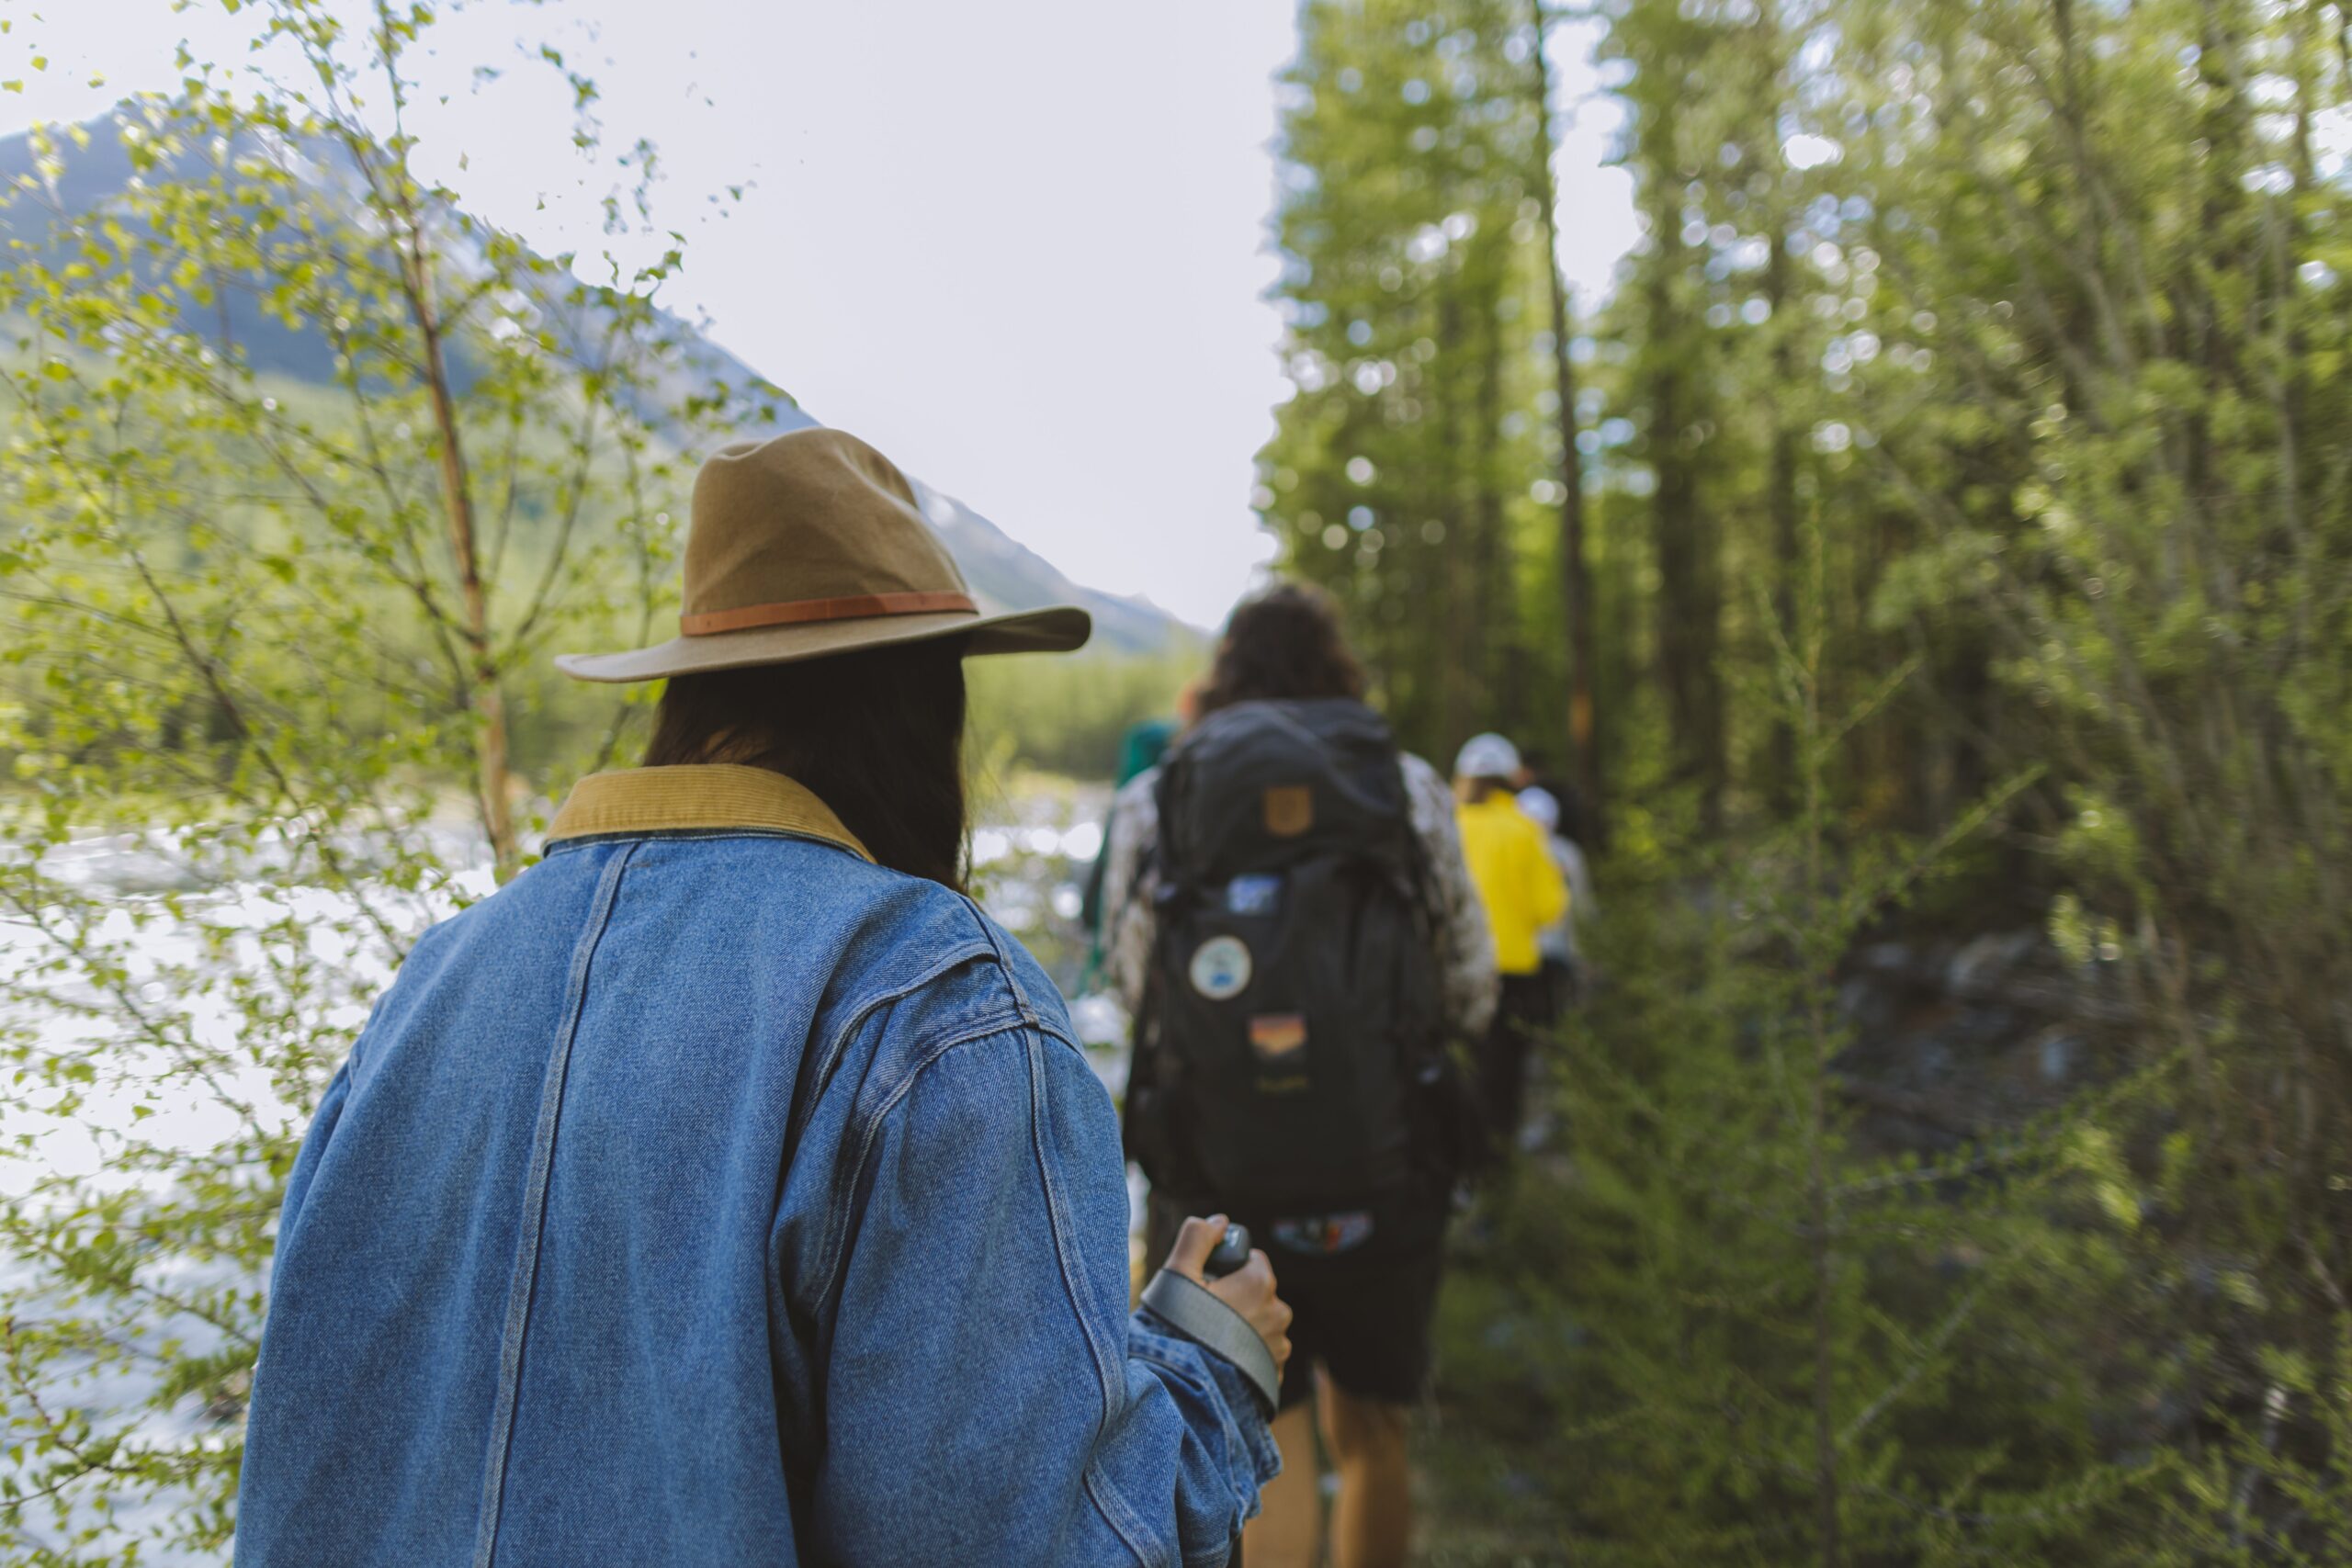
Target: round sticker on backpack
{"x":1220,"y":968}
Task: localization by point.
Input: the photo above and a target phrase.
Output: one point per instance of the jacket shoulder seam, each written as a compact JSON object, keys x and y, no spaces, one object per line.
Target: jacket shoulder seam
{"x":988,"y":1026}
{"x":1039,"y":1019}
{"x":827,"y":1061}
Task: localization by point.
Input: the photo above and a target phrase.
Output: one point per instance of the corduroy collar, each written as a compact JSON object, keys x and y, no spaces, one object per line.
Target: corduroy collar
{"x":702,"y":796}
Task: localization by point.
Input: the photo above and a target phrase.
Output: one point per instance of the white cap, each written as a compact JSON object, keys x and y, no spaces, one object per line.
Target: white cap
{"x":1542,"y":808}
{"x":1487,"y":756}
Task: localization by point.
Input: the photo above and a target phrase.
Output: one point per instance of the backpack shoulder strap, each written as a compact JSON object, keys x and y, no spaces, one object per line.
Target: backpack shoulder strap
{"x":1168,"y":793}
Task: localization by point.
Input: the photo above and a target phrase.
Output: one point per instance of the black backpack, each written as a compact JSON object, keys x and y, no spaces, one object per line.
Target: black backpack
{"x":1292,"y":1026}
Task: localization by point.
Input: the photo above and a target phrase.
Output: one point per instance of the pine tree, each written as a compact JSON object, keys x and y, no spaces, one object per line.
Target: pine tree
{"x":1403,"y":470}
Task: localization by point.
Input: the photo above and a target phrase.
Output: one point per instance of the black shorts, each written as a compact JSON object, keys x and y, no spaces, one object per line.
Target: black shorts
{"x":1362,"y":1311}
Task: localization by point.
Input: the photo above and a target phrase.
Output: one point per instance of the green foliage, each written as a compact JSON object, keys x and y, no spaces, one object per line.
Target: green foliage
{"x":2001,"y":347}
{"x":1068,"y":715}
{"x":1730,"y":1333}
{"x":1406,"y":471}
{"x":2279,"y":1488}
{"x":266,"y":645}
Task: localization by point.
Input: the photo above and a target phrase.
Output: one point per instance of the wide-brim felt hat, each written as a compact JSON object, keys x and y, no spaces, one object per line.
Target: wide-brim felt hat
{"x":811,"y":544}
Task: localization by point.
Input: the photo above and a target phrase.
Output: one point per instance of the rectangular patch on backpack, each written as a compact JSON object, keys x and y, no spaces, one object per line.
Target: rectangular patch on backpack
{"x":1254,"y":895}
{"x":1280,"y":1041}
{"x":1290,"y":810}
{"x":1274,"y":1035}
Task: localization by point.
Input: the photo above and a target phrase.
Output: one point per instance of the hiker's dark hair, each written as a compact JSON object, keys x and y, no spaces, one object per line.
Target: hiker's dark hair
{"x":877,"y":735}
{"x":1283,"y":642}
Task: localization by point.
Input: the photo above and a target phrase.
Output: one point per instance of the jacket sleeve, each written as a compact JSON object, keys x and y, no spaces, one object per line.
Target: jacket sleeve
{"x":323,"y":1121}
{"x":1466,"y":940}
{"x":989,"y":1398}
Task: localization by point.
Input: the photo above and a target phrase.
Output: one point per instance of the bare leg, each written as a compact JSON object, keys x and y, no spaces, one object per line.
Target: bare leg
{"x":1373,"y":1520}
{"x":1288,"y":1530}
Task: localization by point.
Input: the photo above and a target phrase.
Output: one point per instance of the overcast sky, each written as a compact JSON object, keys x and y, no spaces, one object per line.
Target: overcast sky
{"x":1020,"y":245}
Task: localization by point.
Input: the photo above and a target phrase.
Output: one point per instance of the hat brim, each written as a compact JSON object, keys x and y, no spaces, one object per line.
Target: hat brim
{"x":1057,"y":629}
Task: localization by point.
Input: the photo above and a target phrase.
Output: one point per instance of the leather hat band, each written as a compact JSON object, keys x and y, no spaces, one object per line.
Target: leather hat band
{"x":848,"y":607}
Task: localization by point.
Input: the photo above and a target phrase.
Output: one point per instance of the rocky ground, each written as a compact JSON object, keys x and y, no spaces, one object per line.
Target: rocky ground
{"x":1955,"y":1040}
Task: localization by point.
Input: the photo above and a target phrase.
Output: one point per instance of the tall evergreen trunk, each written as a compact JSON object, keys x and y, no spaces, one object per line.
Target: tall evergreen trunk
{"x":1488,"y":649}
{"x":1586,"y":760}
{"x":1780,"y":489}
{"x":1459,"y":628}
{"x":1690,"y":617}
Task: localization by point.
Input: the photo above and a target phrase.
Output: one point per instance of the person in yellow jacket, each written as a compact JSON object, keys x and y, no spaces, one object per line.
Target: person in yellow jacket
{"x":1520,"y":885}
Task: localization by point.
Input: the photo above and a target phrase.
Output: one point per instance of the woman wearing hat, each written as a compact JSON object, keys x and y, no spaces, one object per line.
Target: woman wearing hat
{"x":729,"y":1189}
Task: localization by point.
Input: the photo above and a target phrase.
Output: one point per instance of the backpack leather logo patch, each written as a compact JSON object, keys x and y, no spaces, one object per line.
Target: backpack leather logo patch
{"x":1280,"y":1041}
{"x":1290,"y":810}
{"x":1274,"y":1035}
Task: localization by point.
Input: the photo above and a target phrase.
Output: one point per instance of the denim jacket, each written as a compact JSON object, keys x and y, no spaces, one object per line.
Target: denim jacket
{"x":712,"y":1196}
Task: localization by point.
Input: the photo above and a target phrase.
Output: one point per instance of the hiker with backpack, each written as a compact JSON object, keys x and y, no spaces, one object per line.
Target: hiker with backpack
{"x":1294,"y":927}
{"x":727,"y":1187}
{"x":1522,"y":891}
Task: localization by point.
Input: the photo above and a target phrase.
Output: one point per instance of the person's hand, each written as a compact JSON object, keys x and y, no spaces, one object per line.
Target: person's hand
{"x":1248,"y":1289}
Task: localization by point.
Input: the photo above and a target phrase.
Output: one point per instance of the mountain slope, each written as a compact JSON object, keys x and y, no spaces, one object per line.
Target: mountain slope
{"x":1003,"y":573}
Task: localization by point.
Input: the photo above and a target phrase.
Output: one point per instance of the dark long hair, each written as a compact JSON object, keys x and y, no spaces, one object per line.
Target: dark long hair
{"x":877,"y":735}
{"x":1283,"y":642}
